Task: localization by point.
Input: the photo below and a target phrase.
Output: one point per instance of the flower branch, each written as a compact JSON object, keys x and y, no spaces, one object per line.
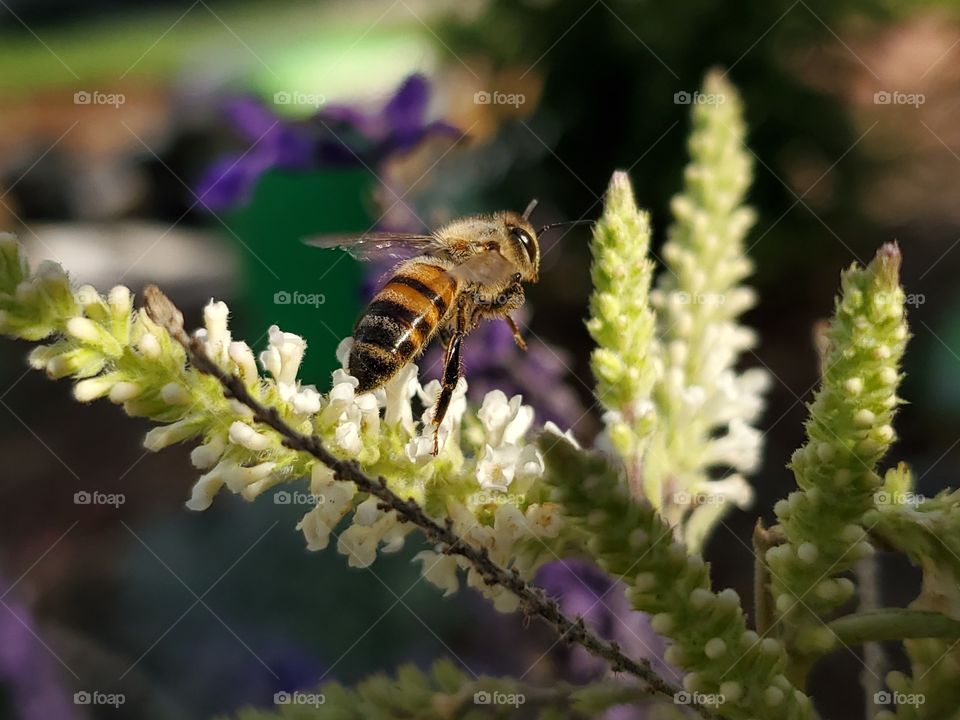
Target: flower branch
{"x":532,"y":600}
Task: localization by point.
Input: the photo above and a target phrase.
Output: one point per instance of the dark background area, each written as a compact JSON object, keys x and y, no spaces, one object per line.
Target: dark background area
{"x":196,"y":614}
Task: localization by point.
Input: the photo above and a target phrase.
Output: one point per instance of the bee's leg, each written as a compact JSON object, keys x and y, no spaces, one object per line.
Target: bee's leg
{"x":445,"y":335}
{"x":511,"y":298}
{"x":517,"y":337}
{"x":452,"y":370}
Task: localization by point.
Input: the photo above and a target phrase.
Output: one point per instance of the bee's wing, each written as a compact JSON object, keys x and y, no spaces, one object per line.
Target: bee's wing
{"x":380,"y":245}
{"x":485,"y":268}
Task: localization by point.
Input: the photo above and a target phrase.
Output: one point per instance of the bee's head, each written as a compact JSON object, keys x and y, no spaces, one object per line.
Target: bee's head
{"x":521,"y":243}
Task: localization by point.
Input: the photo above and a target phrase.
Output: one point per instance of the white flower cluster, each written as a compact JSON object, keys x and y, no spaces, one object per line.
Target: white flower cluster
{"x":484,"y":477}
{"x":498,"y":476}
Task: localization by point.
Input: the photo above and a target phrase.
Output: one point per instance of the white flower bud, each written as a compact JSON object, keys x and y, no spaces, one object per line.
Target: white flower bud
{"x":174,"y":394}
{"x":121,"y":302}
{"x":701,"y":598}
{"x":124,"y":391}
{"x":770,"y":646}
{"x":645,"y":581}
{"x":245,"y":436}
{"x":661,"y":623}
{"x":731,"y":691}
{"x":367,"y":512}
{"x":83,"y":329}
{"x":674,"y":655}
{"x":715,"y":648}
{"x":206,"y":456}
{"x":242,"y":356}
{"x":149,"y":346}
{"x":807,"y":552}
{"x":93,"y":388}
{"x":165,"y":435}
{"x":773,"y":696}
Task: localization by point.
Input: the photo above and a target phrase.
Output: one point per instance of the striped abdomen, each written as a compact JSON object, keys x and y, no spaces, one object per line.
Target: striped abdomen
{"x":399,"y":322}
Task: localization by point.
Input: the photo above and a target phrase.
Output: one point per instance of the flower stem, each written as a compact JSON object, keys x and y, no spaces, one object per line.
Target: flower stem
{"x":893,"y":624}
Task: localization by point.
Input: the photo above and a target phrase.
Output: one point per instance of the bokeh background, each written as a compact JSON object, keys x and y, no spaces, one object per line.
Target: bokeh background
{"x":194,"y":143}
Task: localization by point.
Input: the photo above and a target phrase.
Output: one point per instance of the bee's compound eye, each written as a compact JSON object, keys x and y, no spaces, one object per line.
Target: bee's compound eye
{"x":523,"y":237}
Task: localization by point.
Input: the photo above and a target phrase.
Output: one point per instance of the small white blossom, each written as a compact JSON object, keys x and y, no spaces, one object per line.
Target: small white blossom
{"x":216,"y":338}
{"x":504,"y":422}
{"x":306,"y":401}
{"x":250,"y":481}
{"x":359,"y":542}
{"x":439,"y":570}
{"x":397,"y":395}
{"x":282,"y":359}
{"x":206,"y":456}
{"x":337,"y":500}
{"x":245,"y":436}
{"x":205,"y":488}
{"x":497,"y":466}
{"x":343,"y":351}
{"x":739,"y":447}
{"x":242,"y":356}
{"x":420,"y":449}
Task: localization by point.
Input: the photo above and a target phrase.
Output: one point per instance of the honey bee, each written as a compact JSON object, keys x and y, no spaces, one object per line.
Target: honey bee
{"x":472,"y":269}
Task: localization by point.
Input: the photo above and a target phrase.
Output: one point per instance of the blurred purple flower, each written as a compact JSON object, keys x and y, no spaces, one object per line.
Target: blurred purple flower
{"x":492,"y":360}
{"x":27,"y":670}
{"x":337,"y":136}
{"x":583,"y":589}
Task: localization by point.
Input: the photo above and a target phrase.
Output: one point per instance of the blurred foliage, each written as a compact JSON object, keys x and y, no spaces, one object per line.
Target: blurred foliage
{"x":611,"y":70}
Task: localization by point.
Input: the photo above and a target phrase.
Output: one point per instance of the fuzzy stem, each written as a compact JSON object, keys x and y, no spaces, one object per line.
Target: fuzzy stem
{"x":162,"y":310}
{"x":874,"y":657}
{"x":763,"y":614}
{"x":893,"y":624}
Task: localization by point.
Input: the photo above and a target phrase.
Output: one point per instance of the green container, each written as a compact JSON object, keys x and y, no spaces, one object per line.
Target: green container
{"x":310,"y":292}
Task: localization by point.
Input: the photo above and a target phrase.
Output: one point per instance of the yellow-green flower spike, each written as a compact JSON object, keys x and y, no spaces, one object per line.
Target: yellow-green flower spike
{"x":627,"y":538}
{"x":848,"y":432}
{"x":621,"y":321}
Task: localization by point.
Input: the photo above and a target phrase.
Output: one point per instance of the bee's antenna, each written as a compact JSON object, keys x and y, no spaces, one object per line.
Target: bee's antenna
{"x":530,"y":207}
{"x":563,"y":224}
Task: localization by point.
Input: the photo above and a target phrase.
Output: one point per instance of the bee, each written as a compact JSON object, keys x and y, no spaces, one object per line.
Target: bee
{"x":472,"y":269}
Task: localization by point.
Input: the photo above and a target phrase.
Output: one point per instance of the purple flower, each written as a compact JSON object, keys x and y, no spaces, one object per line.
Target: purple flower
{"x":583,"y":589}
{"x":338,"y":136}
{"x":492,"y":360}
{"x":27,"y":670}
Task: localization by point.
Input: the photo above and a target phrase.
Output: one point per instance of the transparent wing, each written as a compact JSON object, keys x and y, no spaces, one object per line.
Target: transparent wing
{"x":380,"y":245}
{"x":485,"y":268}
